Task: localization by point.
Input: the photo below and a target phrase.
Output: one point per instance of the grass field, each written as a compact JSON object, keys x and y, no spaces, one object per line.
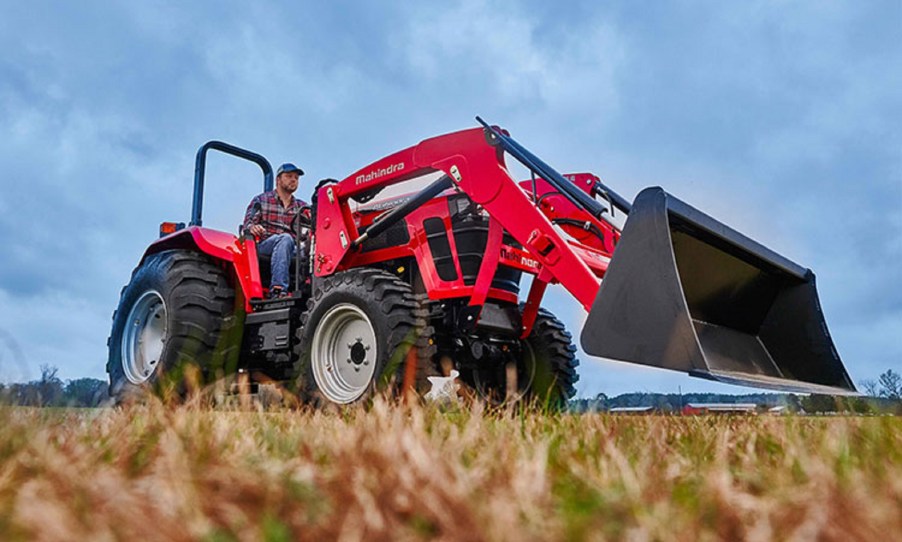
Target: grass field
{"x":397,"y":473}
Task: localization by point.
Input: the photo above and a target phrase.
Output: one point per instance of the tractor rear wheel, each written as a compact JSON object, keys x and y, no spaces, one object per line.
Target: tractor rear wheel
{"x":174,"y":318}
{"x":355,"y":337}
{"x":544,"y":373}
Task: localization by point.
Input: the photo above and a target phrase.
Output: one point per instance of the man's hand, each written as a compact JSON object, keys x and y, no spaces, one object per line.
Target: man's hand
{"x":257,"y":230}
{"x":305,"y":215}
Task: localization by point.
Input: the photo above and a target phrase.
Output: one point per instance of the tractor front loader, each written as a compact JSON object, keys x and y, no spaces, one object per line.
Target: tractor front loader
{"x":393,"y":285}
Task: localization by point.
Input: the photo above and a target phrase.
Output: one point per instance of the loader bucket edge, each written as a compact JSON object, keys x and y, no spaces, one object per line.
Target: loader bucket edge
{"x":686,"y":292}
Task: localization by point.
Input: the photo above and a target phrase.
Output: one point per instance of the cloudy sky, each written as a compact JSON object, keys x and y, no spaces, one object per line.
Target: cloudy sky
{"x":779,"y":118}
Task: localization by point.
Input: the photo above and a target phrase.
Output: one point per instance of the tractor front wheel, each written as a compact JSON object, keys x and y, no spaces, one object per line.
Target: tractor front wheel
{"x":355,"y":337}
{"x":553,"y":354}
{"x":544,"y":372}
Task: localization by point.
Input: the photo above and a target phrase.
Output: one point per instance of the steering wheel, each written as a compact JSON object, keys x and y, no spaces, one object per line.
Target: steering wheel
{"x":302,"y":219}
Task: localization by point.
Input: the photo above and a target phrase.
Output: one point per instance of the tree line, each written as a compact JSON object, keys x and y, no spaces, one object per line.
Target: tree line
{"x":888,"y":386}
{"x":50,"y":390}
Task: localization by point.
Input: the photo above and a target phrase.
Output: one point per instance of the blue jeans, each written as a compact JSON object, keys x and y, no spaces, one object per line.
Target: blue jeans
{"x":280,"y":248}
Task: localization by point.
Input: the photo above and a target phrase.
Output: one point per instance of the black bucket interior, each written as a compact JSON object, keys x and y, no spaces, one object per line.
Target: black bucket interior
{"x":685,"y":292}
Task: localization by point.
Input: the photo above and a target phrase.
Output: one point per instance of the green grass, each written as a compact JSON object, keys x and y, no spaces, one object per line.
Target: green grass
{"x":398,"y":473}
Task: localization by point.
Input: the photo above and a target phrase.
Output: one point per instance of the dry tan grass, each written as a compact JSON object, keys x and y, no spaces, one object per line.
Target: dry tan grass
{"x":398,"y":473}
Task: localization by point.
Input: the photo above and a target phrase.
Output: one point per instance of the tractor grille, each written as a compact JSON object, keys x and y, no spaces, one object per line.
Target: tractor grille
{"x":394,"y":236}
{"x":471,"y":233}
{"x":440,"y":248}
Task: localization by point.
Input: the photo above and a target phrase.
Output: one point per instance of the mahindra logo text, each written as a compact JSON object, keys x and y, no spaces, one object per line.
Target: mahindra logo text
{"x":364,"y":178}
{"x":513,"y":256}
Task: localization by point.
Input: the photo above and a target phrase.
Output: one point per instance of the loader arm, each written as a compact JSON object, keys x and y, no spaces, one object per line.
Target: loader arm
{"x":474,"y":163}
{"x":600,"y":234}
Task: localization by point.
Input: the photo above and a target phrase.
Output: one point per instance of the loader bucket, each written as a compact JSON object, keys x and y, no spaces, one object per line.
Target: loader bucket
{"x":685,"y":292}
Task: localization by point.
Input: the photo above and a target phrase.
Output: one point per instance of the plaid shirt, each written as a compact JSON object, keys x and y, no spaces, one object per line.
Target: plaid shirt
{"x":266,"y":209}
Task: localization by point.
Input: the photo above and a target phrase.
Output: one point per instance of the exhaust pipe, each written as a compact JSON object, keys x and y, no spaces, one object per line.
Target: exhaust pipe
{"x":685,"y":292}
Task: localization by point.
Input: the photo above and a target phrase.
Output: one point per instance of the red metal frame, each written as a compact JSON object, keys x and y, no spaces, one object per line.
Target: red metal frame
{"x":554,"y":205}
{"x":478,"y":170}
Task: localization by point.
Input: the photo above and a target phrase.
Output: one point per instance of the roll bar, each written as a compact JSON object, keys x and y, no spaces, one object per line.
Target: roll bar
{"x":200,"y":166}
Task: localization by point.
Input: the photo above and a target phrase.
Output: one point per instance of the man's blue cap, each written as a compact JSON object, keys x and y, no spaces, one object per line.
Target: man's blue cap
{"x":288,"y":168}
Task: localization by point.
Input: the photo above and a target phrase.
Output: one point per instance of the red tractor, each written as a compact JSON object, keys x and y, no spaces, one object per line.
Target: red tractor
{"x":391,"y":289}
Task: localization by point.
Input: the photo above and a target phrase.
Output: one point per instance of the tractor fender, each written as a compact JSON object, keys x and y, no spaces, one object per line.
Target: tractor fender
{"x":221,"y":246}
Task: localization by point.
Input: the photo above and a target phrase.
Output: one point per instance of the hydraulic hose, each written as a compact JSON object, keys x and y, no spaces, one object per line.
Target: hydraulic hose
{"x":399,"y":212}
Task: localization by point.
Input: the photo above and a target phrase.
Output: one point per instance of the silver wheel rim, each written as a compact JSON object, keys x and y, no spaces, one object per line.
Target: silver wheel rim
{"x":343,"y":354}
{"x":144,"y":337}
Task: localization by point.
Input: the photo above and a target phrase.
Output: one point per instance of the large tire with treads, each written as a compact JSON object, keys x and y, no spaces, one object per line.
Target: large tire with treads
{"x":545,"y":369}
{"x":174,"y":327}
{"x":355,"y":337}
{"x":555,"y":361}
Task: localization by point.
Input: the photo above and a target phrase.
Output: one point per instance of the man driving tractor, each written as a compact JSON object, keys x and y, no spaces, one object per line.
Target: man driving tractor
{"x":270,"y":218}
